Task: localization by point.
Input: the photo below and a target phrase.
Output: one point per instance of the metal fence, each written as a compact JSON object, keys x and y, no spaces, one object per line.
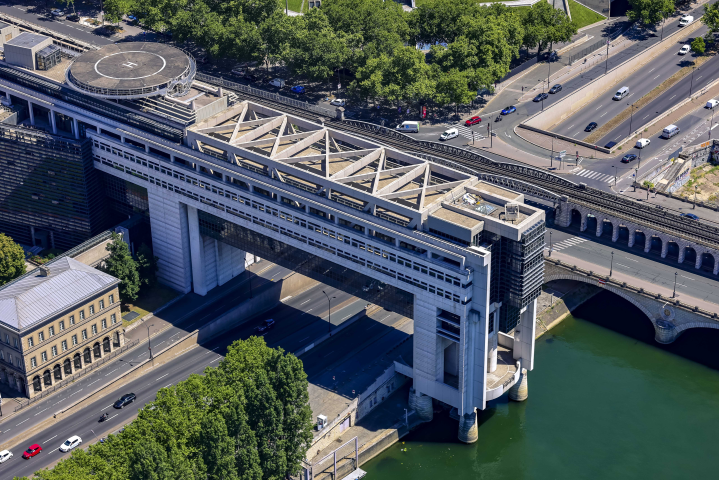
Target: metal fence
{"x":584,"y":52}
{"x":219,"y":81}
{"x":80,"y":374}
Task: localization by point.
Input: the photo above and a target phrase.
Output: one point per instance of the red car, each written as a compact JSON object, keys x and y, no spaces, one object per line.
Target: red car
{"x":473,"y":121}
{"x":32,"y":451}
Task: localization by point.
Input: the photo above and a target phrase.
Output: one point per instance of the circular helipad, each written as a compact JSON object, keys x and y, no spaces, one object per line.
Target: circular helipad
{"x":131,"y":70}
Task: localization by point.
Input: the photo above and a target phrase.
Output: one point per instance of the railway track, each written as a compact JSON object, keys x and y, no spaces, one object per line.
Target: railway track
{"x":524,"y":178}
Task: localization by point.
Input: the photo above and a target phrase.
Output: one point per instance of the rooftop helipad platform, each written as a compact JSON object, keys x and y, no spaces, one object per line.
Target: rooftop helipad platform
{"x":132,"y":70}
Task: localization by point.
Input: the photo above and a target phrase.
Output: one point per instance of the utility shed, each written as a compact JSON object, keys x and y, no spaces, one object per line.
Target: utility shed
{"x":22,"y":49}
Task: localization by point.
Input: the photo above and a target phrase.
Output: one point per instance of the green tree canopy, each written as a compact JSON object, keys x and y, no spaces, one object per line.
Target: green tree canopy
{"x":122,"y":266}
{"x":146,"y":265}
{"x":698,"y":45}
{"x":115,"y":9}
{"x":711,"y":20}
{"x":649,"y":12}
{"x":544,"y":24}
{"x":12,"y":259}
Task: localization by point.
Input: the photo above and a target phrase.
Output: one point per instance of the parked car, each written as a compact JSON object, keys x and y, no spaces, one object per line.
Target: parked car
{"x":125,"y":400}
{"x":70,"y":443}
{"x":73,"y":17}
{"x":238,"y":72}
{"x":299,"y":89}
{"x":628,"y":158}
{"x":472,"y":121}
{"x":5,"y":455}
{"x":689,"y":215}
{"x":642,"y":142}
{"x":251,"y":77}
{"x":266,"y":325}
{"x":555,"y":89}
{"x":449,"y":134}
{"x":57,"y":13}
{"x":685,"y":49}
{"x":132,"y":18}
{"x":338,"y":102}
{"x":540,"y":97}
{"x":33,"y":450}
{"x":508,"y":110}
{"x":591,"y":127}
{"x":277,"y":82}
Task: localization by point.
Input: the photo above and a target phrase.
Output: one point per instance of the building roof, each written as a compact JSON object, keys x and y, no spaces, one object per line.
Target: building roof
{"x":34,"y":298}
{"x":27,"y":40}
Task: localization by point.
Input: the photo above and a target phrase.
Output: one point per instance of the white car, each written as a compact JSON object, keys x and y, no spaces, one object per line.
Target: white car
{"x":5,"y":455}
{"x":451,"y":133}
{"x":642,"y":142}
{"x":338,"y":102}
{"x":685,"y":49}
{"x":685,"y":20}
{"x":277,"y":82}
{"x":70,"y":443}
{"x":57,"y":13}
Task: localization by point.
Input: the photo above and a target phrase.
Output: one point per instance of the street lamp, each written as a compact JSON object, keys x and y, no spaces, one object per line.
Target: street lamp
{"x":329,"y":313}
{"x":710,"y":125}
{"x":615,"y":174}
{"x":695,"y":197}
{"x":631,"y":117}
{"x":674,"y":293}
{"x":636,"y":177}
{"x":611,"y":265}
{"x":149,"y":344}
{"x":550,"y":243}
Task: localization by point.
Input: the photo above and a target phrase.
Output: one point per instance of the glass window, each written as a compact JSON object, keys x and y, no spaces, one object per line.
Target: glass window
{"x":62,"y":325}
{"x":51,"y":331}
{"x":54,"y":351}
{"x":92,"y":309}
{"x":102,"y":304}
{"x":14,"y":342}
{"x":2,"y":355}
{"x":104,"y":323}
{"x":7,"y":339}
{"x":30,"y":342}
{"x":43,"y":356}
{"x":41,"y":336}
{"x":94,"y":329}
{"x":112,"y":299}
{"x":33,"y":362}
{"x":113,"y":319}
{"x":9,"y":359}
{"x":84,"y":334}
{"x":82,"y":314}
{"x":64,"y":345}
{"x":74,"y":339}
{"x":72,"y":319}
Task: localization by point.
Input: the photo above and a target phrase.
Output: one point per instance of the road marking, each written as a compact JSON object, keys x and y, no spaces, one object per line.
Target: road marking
{"x":385,"y":318}
{"x":373,"y":325}
{"x":304,"y":339}
{"x":308,"y":311}
{"x":650,"y":71}
{"x":575,"y":133}
{"x":286,"y":298}
{"x":621,"y":265}
{"x":329,"y":354}
{"x":689,"y":278}
{"x":699,"y":77}
{"x":210,"y":351}
{"x":215,"y":360}
{"x":715,"y":126}
{"x":49,"y":452}
{"x":630,"y":94}
{"x":94,"y":382}
{"x":74,"y":393}
{"x":49,"y":439}
{"x":672,"y":97}
{"x":570,"y":126}
{"x":108,"y":406}
{"x":600,"y":116}
{"x":112,"y":417}
{"x":348,"y":316}
{"x":38,"y":413}
{"x":650,"y":114}
{"x":112,"y":372}
{"x":311,"y":299}
{"x":631,"y":259}
{"x":166,"y":386}
{"x":162,"y":376}
{"x":600,"y":106}
{"x":22,"y":422}
{"x":656,"y":77}
{"x":681,"y":284}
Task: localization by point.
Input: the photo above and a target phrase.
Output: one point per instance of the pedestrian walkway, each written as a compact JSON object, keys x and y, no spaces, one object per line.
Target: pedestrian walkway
{"x":569,"y":242}
{"x":592,"y":175}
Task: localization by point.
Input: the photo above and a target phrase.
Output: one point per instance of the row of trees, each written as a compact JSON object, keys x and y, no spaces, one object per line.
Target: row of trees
{"x":373,"y":40}
{"x":12,"y":259}
{"x":133,"y":272}
{"x":247,"y":419}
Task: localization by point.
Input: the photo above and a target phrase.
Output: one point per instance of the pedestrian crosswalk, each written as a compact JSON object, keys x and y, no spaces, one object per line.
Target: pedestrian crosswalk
{"x":467,"y":132}
{"x":592,"y":175}
{"x":569,"y":242}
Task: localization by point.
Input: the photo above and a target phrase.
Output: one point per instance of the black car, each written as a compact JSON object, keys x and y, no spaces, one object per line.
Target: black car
{"x":591,"y":127}
{"x":555,"y":89}
{"x":73,"y":17}
{"x":265,"y":326}
{"x":251,"y":77}
{"x":540,"y":97}
{"x":125,"y":400}
{"x":628,"y":158}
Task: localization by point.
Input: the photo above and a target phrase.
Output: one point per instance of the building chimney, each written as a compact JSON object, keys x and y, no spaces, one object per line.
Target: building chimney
{"x":44,"y":271}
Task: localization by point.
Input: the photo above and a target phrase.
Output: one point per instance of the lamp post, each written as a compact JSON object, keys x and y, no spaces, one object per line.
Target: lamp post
{"x":663,"y":20}
{"x":329,"y":313}
{"x":695,"y":197}
{"x":611,"y":265}
{"x":615,"y":174}
{"x":674,"y":293}
{"x":631,"y":117}
{"x":606,"y":62}
{"x":550,"y":243}
{"x":636,"y":177}
{"x":149,"y":344}
{"x":710,"y":125}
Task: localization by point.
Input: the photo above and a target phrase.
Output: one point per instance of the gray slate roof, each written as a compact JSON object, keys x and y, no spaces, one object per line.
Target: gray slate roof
{"x":33,"y":298}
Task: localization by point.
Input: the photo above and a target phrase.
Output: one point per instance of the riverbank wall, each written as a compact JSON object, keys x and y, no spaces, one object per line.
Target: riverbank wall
{"x":558,"y":305}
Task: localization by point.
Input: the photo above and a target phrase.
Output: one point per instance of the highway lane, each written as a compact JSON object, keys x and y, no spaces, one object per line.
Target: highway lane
{"x":285,"y":334}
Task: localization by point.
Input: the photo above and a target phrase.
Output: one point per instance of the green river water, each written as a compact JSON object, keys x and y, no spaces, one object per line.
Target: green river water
{"x":605,"y":402}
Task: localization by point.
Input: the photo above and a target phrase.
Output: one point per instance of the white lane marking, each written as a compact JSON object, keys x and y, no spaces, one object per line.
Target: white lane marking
{"x":22,"y":422}
{"x":625,"y":266}
{"x":49,"y":452}
{"x":286,"y":298}
{"x":630,"y":259}
{"x":630,"y":94}
{"x":308,"y":311}
{"x":575,"y":133}
{"x":215,"y":360}
{"x":168,"y":385}
{"x":715,"y":126}
{"x":600,"y":106}
{"x":94,"y":382}
{"x":162,"y":376}
{"x":74,"y":393}
{"x":112,"y":417}
{"x":570,"y":126}
{"x":656,"y":77}
{"x":681,"y":284}
{"x":112,"y":372}
{"x":108,"y":406}
{"x":699,"y":77}
{"x":600,"y":116}
{"x":38,"y":413}
{"x":672,"y":97}
{"x":385,"y":318}
{"x":306,"y":338}
{"x":348,"y":316}
{"x":646,"y":116}
{"x":689,"y":278}
{"x":49,"y":439}
{"x":329,"y":354}
{"x":650,"y":71}
{"x":311,"y":299}
{"x":210,"y":351}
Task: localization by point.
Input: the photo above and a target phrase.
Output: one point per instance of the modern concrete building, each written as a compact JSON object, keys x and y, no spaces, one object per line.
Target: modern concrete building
{"x":223,"y":177}
{"x":25,"y":49}
{"x":55,"y":321}
{"x":8,"y":32}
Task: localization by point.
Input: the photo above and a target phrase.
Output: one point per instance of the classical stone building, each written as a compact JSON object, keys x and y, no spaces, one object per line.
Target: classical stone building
{"x":55,"y":321}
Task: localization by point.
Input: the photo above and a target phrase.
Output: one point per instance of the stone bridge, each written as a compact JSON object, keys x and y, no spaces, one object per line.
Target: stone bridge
{"x":683,"y":249}
{"x":669,"y":316}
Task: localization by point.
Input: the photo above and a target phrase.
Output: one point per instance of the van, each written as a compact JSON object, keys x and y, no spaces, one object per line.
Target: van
{"x":670,"y":131}
{"x":642,"y":142}
{"x":621,"y":93}
{"x":685,"y":20}
{"x":408,"y":127}
{"x":712,"y":103}
{"x":451,"y":133}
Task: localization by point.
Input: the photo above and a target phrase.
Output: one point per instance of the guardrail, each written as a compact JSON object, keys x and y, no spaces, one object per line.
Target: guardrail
{"x":93,"y":366}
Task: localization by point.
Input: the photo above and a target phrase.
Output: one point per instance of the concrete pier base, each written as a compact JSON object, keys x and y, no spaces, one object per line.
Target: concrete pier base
{"x":423,"y":407}
{"x":412,"y":400}
{"x":665,"y":332}
{"x":468,"y":428}
{"x":519,"y":391}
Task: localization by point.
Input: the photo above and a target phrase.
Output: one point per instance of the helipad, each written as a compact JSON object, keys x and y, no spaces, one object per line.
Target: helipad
{"x":132,"y":70}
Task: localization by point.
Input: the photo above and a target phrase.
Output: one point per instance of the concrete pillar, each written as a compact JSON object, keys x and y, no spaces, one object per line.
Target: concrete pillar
{"x":698,"y":263}
{"x":492,"y":356}
{"x":76,"y":128}
{"x":615,"y":232}
{"x":665,"y":248}
{"x":716,"y":266}
{"x":647,"y":242}
{"x":52,"y":122}
{"x":682,"y":253}
{"x":412,"y":400}
{"x":423,"y":407}
{"x":519,"y":391}
{"x":197,"y":252}
{"x":32,"y":114}
{"x":665,"y":332}
{"x":600,"y":227}
{"x":468,"y":427}
{"x":583,"y":225}
{"x":632,"y":236}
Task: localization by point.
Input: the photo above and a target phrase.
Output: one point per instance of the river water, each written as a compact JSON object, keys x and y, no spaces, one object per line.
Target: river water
{"x":605,"y":402}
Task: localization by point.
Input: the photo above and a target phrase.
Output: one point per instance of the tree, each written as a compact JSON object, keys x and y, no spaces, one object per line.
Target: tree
{"x":12,"y":259}
{"x":711,"y":20}
{"x":453,"y":87}
{"x":544,"y":24}
{"x":121,"y":266}
{"x":649,"y":12}
{"x":115,"y":9}
{"x":146,"y":265}
{"x":698,"y":46}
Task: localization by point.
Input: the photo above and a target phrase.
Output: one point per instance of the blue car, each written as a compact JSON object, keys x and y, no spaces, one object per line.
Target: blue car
{"x":509,"y":110}
{"x":689,"y":215}
{"x":298,"y":89}
{"x":132,"y":18}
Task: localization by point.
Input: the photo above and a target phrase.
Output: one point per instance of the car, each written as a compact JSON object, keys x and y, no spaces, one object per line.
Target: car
{"x":338,"y":102}
{"x":685,"y":49}
{"x":508,"y":110}
{"x":266,"y":325}
{"x":540,"y":97}
{"x":472,"y":121}
{"x":449,"y":134}
{"x":5,"y":455}
{"x":132,"y":18}
{"x":251,"y":77}
{"x":686,"y":20}
{"x":70,"y":443}
{"x":277,"y":82}
{"x":591,"y":127}
{"x":238,"y":72}
{"x":33,"y":450}
{"x":689,"y":215}
{"x":57,"y":13}
{"x":298,"y":89}
{"x":628,"y":158}
{"x":642,"y":142}
{"x":555,"y":89}
{"x":73,"y":17}
{"x":125,"y":400}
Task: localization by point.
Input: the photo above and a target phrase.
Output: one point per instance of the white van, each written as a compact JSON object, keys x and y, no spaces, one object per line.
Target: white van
{"x":670,"y":131}
{"x":642,"y":142}
{"x":408,"y":127}
{"x":621,"y":93}
{"x":451,"y":133}
{"x":277,"y":82}
{"x":712,"y":103}
{"x":685,"y":20}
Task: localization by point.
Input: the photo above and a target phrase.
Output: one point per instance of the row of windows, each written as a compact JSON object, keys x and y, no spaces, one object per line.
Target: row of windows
{"x":11,"y":359}
{"x":71,"y":320}
{"x":73,"y":339}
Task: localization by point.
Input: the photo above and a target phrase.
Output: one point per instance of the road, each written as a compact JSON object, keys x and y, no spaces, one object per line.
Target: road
{"x":296,"y":325}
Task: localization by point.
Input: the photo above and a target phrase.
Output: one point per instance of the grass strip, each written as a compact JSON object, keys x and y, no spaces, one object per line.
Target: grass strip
{"x":583,"y":16}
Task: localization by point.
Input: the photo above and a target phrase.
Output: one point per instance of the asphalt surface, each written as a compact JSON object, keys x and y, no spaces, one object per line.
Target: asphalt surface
{"x":299,"y":319}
